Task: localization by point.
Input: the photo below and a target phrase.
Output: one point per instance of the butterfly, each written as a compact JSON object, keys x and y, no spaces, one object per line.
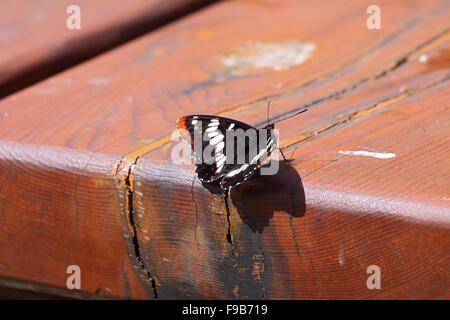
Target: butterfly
{"x":224,"y":166}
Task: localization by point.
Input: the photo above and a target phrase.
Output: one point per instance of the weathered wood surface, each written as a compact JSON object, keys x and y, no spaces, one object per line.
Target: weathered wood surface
{"x":35,"y":42}
{"x":86,"y":176}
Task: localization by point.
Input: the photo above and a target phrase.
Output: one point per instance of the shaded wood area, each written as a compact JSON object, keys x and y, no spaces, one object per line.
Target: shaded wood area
{"x":36,"y":43}
{"x":86,"y":176}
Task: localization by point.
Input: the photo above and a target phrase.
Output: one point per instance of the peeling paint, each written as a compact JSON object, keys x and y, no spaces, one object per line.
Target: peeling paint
{"x":359,"y":113}
{"x":275,"y":55}
{"x":125,"y":185}
{"x":423,"y":58}
{"x":378,"y":155}
{"x":99,"y":81}
{"x":44,"y":91}
{"x":258,"y":266}
{"x":341,"y":256}
{"x":236,"y":291}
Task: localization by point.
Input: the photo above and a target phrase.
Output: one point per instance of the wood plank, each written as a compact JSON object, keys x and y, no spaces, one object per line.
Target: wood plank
{"x":36,"y":43}
{"x":59,"y":208}
{"x":89,"y":150}
{"x":312,"y":230}
{"x":282,"y":250}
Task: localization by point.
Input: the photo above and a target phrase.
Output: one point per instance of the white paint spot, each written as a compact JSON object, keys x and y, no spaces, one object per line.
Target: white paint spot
{"x":99,"y":81}
{"x":278,"y":86}
{"x":423,"y":58}
{"x":341,"y":255}
{"x":276,"y":55}
{"x":369,"y":154}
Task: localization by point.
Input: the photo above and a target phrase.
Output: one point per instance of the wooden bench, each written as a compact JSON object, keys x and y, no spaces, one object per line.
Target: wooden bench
{"x":86,"y":176}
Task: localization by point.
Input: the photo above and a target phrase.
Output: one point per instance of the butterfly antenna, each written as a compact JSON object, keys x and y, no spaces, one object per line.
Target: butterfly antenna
{"x":295,"y":114}
{"x":268,"y":107}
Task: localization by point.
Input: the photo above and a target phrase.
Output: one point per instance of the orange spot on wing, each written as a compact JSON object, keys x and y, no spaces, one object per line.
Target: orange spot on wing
{"x":267,"y":158}
{"x":181,"y":123}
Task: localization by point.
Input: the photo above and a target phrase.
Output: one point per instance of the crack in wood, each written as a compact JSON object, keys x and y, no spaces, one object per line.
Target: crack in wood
{"x":129,"y":160}
{"x":411,"y":54}
{"x":231,"y":242}
{"x":229,"y":233}
{"x":124,"y":175}
{"x":364,"y":112}
{"x":196,"y":212}
{"x":439,"y":38}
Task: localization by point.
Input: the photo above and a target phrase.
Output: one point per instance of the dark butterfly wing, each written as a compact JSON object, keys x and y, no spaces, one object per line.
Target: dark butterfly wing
{"x":243,"y":172}
{"x":237,"y":176}
{"x":214,"y":130}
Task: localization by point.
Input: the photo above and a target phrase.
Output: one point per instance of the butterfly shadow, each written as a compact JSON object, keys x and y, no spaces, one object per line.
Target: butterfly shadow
{"x":258,"y":198}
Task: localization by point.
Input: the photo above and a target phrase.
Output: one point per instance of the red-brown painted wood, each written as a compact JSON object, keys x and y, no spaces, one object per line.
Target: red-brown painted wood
{"x":36,"y":43}
{"x":86,"y":176}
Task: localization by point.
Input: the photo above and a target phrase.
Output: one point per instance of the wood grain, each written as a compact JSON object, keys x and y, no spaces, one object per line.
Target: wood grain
{"x":85,"y":156}
{"x":36,"y":43}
